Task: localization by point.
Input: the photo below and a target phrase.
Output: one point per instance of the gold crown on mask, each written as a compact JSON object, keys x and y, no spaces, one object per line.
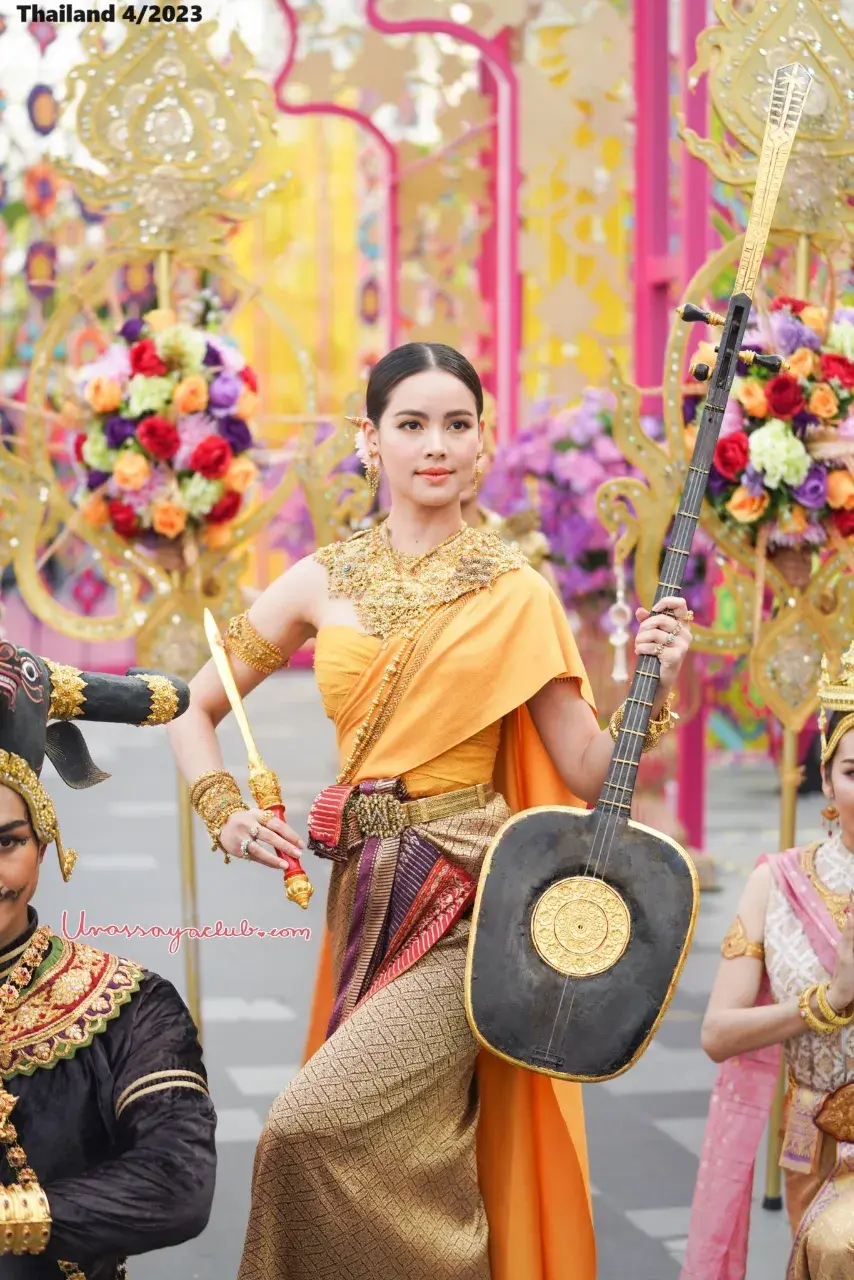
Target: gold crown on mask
{"x":836,"y":695}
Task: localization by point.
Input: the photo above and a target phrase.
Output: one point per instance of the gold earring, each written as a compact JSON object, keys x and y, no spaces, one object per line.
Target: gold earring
{"x":830,"y":813}
{"x":373,"y":476}
{"x":478,"y":468}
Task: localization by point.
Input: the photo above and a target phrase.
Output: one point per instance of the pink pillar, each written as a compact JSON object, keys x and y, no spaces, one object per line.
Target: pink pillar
{"x":694,"y":244}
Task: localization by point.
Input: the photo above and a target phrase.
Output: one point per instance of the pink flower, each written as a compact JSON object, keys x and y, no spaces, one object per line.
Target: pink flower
{"x":231,"y":358}
{"x":192,"y":430}
{"x":140,"y":500}
{"x":606,"y":450}
{"x":113,"y":364}
{"x":733,"y":419}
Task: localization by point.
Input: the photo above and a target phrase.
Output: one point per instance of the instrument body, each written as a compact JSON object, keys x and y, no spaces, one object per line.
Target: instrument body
{"x":522,"y":1008}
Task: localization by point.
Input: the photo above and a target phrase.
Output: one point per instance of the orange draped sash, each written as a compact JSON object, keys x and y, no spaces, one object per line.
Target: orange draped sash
{"x":497,"y":651}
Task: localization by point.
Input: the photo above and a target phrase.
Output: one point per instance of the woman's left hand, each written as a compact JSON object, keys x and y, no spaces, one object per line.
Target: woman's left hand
{"x":668,"y":638}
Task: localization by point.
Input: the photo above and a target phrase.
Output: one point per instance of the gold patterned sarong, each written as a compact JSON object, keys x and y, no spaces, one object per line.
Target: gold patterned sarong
{"x":820,"y":1200}
{"x":367,"y":1166}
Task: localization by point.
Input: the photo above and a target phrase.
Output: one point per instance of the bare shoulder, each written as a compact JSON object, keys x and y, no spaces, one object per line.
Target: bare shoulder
{"x":293,"y":600}
{"x":754,"y":900}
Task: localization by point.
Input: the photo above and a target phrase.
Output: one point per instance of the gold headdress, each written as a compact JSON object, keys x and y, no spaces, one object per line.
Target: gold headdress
{"x":836,"y":696}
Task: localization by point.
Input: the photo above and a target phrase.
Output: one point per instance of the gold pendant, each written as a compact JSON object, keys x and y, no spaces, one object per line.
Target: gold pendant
{"x":581,"y":926}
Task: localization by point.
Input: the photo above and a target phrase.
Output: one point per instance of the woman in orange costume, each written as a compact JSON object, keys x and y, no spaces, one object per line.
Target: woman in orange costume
{"x":458,"y":697}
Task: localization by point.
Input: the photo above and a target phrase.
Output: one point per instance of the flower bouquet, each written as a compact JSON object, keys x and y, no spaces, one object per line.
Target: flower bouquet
{"x":783,"y":469}
{"x":164,"y":447}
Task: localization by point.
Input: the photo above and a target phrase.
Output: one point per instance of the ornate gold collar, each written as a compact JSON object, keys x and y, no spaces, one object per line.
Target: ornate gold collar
{"x":74,"y":993}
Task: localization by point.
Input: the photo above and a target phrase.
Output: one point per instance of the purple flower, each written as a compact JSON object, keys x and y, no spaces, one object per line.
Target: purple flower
{"x":212,"y":359}
{"x":753,"y":481}
{"x":236,"y":432}
{"x":117,"y":430}
{"x":224,"y":392}
{"x":790,"y":334}
{"x":802,"y":422}
{"x":689,"y":409}
{"x":131,"y":330}
{"x":229,"y":355}
{"x":812,"y":491}
{"x":718,"y":484}
{"x":741,"y":368}
{"x":844,"y":315}
{"x":97,"y":478}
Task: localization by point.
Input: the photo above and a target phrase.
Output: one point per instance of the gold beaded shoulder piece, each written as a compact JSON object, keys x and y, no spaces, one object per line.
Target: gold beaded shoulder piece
{"x":394,"y":594}
{"x":246,"y":643}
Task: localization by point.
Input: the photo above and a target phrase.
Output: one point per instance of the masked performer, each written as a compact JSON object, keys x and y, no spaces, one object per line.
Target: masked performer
{"x":787,"y":978}
{"x":106,"y":1126}
{"x":457,"y":693}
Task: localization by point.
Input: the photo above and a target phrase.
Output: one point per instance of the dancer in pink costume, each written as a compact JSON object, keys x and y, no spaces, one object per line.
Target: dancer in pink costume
{"x":786,"y":987}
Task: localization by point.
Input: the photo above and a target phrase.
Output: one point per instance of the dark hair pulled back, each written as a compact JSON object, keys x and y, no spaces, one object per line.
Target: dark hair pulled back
{"x":833,"y":720}
{"x":417,"y":357}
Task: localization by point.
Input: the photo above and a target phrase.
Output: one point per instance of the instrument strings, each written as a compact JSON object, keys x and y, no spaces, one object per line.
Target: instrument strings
{"x":608,"y":819}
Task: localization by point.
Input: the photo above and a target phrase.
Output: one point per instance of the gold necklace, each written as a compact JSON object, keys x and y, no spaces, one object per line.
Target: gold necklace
{"x":22,"y":974}
{"x":836,"y":903}
{"x":408,"y":561}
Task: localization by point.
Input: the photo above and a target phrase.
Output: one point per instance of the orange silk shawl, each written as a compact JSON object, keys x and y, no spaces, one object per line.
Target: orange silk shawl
{"x":500,"y":648}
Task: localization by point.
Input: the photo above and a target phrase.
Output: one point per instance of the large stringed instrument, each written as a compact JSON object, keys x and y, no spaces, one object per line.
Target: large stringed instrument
{"x":583,"y":919}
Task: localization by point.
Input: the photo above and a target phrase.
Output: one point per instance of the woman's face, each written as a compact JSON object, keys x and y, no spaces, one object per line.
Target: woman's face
{"x":428,"y":439}
{"x":839,"y":781}
{"x":20,"y":859}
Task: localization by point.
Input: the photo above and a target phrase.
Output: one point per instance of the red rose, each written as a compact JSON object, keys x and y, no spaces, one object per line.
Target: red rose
{"x":159,"y":437}
{"x":249,"y":377}
{"x":226,"y":509}
{"x":123,"y":518}
{"x":795,"y":305}
{"x":784,"y":395}
{"x":79,"y":441}
{"x":844,"y":521}
{"x":833,"y":366}
{"x":211,"y":457}
{"x":731,"y":455}
{"x":144,"y":359}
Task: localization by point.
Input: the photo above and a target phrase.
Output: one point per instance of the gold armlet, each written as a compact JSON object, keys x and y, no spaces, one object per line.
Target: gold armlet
{"x":736,"y":944}
{"x":811,"y":1019}
{"x":828,"y":1012}
{"x":663,"y":722}
{"x":247,"y":644}
{"x":215,"y":796}
{"x":24,"y":1219}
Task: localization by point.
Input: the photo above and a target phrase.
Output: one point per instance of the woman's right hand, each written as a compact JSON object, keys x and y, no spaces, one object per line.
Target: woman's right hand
{"x":840,"y":991}
{"x":242,"y":825}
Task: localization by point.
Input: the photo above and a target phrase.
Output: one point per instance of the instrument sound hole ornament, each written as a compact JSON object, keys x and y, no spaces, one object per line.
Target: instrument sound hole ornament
{"x":581,"y":926}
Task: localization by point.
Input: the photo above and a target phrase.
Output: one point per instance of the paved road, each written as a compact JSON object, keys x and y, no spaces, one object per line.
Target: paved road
{"x":644,"y":1128}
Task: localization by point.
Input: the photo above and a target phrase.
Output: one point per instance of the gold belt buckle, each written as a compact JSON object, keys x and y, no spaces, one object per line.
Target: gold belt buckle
{"x":380,"y":814}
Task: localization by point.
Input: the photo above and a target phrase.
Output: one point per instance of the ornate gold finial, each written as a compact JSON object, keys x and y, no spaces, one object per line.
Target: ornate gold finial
{"x":67,"y":691}
{"x":833,"y":696}
{"x":175,"y":131}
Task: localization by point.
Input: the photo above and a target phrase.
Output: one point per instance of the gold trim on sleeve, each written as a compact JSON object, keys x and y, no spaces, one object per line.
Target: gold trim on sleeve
{"x":157,"y":1088}
{"x":66,"y":691}
{"x":171,"y":1073}
{"x":245,"y":642}
{"x":736,"y":944}
{"x":164,"y":699}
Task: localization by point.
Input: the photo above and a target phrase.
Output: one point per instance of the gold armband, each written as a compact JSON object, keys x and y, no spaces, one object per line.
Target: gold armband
{"x":24,"y":1219}
{"x":735,"y":944}
{"x":215,"y":796}
{"x":247,"y":644}
{"x":664,"y":721}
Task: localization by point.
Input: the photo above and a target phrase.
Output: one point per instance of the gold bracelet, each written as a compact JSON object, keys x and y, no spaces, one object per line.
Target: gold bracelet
{"x":663,"y":722}
{"x":246,"y":643}
{"x":215,"y":796}
{"x":811,"y":1019}
{"x":827,"y":1010}
{"x":25,"y":1220}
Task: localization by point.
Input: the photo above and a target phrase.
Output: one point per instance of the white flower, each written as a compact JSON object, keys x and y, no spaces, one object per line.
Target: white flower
{"x":362,"y":450}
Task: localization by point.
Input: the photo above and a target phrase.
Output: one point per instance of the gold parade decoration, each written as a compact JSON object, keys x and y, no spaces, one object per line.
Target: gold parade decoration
{"x":812,"y":598}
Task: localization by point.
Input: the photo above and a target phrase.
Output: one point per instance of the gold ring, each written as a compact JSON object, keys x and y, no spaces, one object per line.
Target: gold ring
{"x":253,"y":834}
{"x":689,"y":616}
{"x":264,"y":821}
{"x":658,"y":649}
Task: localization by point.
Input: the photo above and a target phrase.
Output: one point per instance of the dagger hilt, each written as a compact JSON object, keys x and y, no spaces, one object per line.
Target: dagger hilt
{"x":267,"y":794}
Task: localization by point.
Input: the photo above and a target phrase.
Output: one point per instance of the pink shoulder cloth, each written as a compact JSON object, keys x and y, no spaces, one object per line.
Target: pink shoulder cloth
{"x":740,"y":1105}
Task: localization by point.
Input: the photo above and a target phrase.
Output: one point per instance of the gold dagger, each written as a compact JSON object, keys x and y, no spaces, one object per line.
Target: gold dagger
{"x":263,"y":783}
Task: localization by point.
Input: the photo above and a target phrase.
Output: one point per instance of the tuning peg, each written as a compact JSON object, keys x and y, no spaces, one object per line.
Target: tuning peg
{"x":699,"y":371}
{"x":774,"y":364}
{"x":696,"y":315}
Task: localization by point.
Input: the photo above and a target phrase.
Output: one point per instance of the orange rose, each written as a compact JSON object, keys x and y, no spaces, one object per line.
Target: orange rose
{"x":104,"y":395}
{"x":840,"y":490}
{"x":217,"y":536}
{"x":132,"y":471}
{"x":751,"y":395}
{"x":815,"y":318}
{"x":247,"y":404}
{"x":168,"y":519}
{"x":241,"y":474}
{"x":795,"y":521}
{"x":191,"y":394}
{"x":803,"y":363}
{"x":745,"y":509}
{"x":71,"y":415}
{"x":823,"y":402}
{"x":95,"y":511}
{"x":161,"y":319}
